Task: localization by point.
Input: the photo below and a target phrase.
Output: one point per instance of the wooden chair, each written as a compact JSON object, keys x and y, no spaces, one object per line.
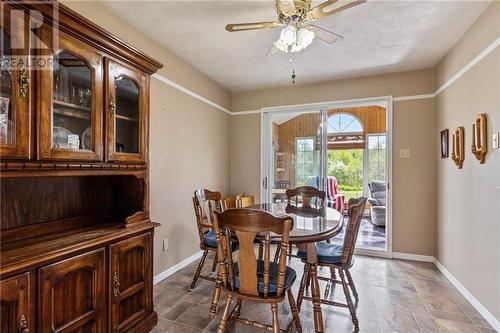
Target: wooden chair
{"x":205,"y":203}
{"x":249,"y":278}
{"x":308,"y":195}
{"x":338,"y":258}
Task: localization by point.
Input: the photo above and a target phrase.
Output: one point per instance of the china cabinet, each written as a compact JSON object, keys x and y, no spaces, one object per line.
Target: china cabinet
{"x":74,"y":176}
{"x":15,"y":92}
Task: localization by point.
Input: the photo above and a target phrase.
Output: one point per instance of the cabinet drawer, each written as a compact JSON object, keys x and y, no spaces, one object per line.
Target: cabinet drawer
{"x":72,"y":294}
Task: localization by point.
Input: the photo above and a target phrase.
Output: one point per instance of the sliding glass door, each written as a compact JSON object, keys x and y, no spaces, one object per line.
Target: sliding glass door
{"x":341,"y":148}
{"x":293,"y":152}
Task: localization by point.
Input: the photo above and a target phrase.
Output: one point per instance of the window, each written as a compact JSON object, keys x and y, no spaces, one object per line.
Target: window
{"x":376,"y":157}
{"x":304,"y":160}
{"x":339,"y":123}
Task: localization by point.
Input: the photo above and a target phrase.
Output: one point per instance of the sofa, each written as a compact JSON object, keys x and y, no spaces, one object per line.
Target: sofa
{"x":377,"y":201}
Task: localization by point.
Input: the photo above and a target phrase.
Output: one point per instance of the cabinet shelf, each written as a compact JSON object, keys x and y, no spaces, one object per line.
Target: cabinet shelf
{"x":118,"y":116}
{"x":70,"y":105}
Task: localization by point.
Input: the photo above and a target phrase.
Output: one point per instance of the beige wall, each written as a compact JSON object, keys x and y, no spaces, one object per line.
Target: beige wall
{"x":413,"y":182}
{"x":468,"y":210}
{"x":189,"y":140}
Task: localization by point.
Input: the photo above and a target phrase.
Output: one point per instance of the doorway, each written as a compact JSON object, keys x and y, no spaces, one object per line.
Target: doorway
{"x":342,"y":148}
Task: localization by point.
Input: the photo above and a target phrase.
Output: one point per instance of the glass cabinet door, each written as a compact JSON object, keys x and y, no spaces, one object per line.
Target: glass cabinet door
{"x":15,"y":92}
{"x":71,"y":104}
{"x":127,"y":111}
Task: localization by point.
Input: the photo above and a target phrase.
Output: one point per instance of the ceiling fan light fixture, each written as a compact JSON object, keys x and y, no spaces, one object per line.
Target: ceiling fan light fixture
{"x":292,"y":40}
{"x":288,"y":36}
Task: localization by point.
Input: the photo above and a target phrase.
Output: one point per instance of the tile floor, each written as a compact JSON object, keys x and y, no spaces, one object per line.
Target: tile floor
{"x":395,"y":296}
{"x":370,"y":237}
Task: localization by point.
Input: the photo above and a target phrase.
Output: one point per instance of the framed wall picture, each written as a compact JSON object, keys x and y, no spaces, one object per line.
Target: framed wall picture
{"x":444,"y":143}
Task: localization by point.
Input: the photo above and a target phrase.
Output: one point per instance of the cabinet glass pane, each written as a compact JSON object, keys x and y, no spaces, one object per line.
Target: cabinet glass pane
{"x":6,"y":135}
{"x":71,"y":103}
{"x":127,"y":116}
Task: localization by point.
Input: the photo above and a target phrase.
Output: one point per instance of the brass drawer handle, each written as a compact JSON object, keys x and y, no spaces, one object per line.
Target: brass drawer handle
{"x":112,"y":106}
{"x":23,"y":324}
{"x":116,"y":284}
{"x":23,"y":82}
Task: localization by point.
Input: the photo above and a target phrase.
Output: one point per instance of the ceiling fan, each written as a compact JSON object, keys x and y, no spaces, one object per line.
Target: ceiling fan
{"x":296,"y":17}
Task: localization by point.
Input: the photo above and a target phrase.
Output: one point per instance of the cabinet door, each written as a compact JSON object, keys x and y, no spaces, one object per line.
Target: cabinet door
{"x":15,"y":304}
{"x":127,"y":103}
{"x":15,"y":84}
{"x":130,"y":282}
{"x":70,"y":102}
{"x":72,"y":294}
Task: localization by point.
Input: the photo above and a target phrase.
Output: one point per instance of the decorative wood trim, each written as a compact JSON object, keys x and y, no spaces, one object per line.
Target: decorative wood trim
{"x":93,"y":35}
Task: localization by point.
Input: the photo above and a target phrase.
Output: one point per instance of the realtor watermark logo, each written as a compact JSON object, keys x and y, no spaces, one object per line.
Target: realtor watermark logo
{"x":29,"y":37}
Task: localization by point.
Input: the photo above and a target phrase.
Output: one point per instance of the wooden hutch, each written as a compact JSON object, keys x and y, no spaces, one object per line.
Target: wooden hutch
{"x":76,"y":239}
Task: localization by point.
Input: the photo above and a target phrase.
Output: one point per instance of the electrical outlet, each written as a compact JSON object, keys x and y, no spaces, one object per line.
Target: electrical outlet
{"x":404,"y":153}
{"x":165,"y":244}
{"x":495,"y":140}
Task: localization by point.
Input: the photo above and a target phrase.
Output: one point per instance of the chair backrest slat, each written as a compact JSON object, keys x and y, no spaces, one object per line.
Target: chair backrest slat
{"x":356,"y":209}
{"x":205,"y":203}
{"x":306,"y":193}
{"x":245,"y":225}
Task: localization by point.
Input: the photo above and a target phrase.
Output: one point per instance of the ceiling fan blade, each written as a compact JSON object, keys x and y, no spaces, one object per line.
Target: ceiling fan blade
{"x":287,"y":7}
{"x":325,"y":35}
{"x":331,"y":7}
{"x":273,"y":50}
{"x":251,"y":26}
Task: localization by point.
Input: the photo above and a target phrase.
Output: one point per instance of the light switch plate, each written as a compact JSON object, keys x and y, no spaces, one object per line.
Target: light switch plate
{"x":404,"y":153}
{"x":165,"y":244}
{"x":495,"y":140}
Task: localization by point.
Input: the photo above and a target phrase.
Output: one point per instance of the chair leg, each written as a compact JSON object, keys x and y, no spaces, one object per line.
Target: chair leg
{"x":351,"y":284}
{"x":261,"y":250}
{"x":214,"y":265}
{"x":295,"y":311}
{"x":277,"y":254}
{"x":225,"y":315}
{"x":330,"y":285}
{"x":198,"y":270}
{"x":216,"y":295}
{"x":276,"y":321}
{"x":348,"y":298}
{"x":302,"y":286}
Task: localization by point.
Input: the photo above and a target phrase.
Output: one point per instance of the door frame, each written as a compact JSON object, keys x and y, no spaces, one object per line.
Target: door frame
{"x":266,"y":149}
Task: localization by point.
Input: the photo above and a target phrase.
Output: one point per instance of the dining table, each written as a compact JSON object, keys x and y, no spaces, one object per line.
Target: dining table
{"x":310,"y":225}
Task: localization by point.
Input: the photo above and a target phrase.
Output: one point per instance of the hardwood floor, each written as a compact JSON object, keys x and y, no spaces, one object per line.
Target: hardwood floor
{"x":395,"y":296}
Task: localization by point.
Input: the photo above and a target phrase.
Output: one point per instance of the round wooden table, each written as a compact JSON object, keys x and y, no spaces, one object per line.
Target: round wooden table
{"x":310,"y":225}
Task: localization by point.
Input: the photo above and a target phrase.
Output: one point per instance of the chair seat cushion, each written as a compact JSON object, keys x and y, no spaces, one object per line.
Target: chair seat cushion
{"x":327,"y":253}
{"x":211,"y":241}
{"x":290,"y":276}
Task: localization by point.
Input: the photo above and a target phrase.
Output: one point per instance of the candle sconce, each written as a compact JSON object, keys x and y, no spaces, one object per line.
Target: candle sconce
{"x":480,"y":137}
{"x":458,"y":150}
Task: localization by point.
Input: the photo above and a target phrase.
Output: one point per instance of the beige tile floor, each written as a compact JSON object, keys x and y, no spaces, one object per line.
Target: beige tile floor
{"x":395,"y":296}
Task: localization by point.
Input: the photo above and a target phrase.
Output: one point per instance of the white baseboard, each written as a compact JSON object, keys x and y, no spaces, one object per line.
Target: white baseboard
{"x":175,"y":268}
{"x":469,"y":297}
{"x":411,"y":256}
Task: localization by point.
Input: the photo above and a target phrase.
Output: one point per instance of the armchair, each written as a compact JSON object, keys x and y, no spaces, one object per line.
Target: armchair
{"x":377,"y":202}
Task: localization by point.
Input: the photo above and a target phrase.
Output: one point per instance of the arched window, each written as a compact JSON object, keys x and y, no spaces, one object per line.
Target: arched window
{"x":344,"y":131}
{"x":344,"y":123}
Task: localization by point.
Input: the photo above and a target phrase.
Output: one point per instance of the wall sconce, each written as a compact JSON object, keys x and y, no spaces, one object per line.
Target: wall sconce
{"x":457,"y":149}
{"x":480,"y":137}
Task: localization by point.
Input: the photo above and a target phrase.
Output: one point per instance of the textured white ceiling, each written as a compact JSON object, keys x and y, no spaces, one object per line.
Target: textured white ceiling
{"x":379,"y":37}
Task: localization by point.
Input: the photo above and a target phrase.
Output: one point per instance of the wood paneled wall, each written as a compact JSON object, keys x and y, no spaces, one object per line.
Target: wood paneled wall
{"x":373,"y":119}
